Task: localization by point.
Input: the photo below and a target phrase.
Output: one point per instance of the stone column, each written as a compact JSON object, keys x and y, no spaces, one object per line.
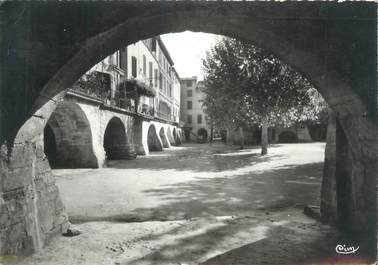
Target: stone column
{"x":328,"y":202}
{"x":356,"y":172}
{"x":138,"y":137}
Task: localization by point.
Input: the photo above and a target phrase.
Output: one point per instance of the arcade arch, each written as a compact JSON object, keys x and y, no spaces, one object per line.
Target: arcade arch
{"x":115,"y":140}
{"x":153,"y":140}
{"x":68,"y":138}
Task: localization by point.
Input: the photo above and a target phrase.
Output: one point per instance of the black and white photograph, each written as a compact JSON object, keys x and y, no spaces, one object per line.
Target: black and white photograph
{"x":188,"y":132}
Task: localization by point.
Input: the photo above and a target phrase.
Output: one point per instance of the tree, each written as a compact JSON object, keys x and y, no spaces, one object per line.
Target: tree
{"x":224,"y":102}
{"x":247,"y":85}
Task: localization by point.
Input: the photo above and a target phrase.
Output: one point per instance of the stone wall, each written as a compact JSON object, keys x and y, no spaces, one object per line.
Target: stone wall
{"x":328,"y":201}
{"x":31,"y":209}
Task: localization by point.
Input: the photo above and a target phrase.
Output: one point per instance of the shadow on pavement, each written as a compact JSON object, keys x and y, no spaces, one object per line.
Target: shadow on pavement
{"x":240,"y":195}
{"x":244,"y":241}
{"x":197,"y":158}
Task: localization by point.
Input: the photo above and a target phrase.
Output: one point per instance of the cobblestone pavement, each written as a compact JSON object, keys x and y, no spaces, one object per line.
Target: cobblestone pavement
{"x":196,"y":204}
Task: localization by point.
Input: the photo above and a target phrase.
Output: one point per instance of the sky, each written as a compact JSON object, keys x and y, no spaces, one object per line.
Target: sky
{"x":187,"y":50}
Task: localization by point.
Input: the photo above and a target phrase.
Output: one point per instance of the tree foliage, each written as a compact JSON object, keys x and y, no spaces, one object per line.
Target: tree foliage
{"x":246,"y":85}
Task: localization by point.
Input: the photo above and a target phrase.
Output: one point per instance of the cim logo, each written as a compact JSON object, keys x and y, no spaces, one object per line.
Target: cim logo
{"x":346,"y":250}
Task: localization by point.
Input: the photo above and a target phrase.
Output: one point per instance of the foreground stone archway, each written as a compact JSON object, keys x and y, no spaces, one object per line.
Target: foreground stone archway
{"x":333,"y":45}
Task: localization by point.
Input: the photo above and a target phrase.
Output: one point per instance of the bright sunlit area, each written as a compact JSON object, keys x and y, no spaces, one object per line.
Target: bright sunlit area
{"x":187,"y":50}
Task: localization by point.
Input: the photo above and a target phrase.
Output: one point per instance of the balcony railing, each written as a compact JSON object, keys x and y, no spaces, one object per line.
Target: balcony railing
{"x":102,"y":95}
{"x":148,"y":110}
{"x":120,"y":100}
{"x":164,"y":116}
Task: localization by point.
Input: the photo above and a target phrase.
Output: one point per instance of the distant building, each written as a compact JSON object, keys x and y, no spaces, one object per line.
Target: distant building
{"x":196,"y":125}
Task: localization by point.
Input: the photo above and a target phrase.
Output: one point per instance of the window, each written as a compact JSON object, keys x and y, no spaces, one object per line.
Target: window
{"x":170,"y":90}
{"x":189,"y":105}
{"x":189,"y":119}
{"x":160,"y":81}
{"x":189,"y":82}
{"x":199,"y":118}
{"x":189,"y":93}
{"x":156,"y":77}
{"x":144,"y":65}
{"x":134,"y":66}
{"x":150,"y":72}
{"x":123,"y":59}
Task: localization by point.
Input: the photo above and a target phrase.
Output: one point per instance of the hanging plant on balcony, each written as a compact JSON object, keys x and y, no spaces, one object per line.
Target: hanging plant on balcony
{"x":95,"y":84}
{"x":135,"y":89}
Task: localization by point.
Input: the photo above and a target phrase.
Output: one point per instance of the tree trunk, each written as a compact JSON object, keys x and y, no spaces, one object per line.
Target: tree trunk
{"x":264,"y":137}
{"x":211,"y":134}
{"x":228,"y":136}
{"x":241,"y":137}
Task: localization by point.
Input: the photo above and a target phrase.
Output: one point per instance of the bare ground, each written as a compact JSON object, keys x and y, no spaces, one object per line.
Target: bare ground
{"x":196,"y":204}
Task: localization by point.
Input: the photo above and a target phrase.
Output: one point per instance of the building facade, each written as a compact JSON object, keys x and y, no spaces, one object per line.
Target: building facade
{"x":148,"y":62}
{"x":195,"y":122}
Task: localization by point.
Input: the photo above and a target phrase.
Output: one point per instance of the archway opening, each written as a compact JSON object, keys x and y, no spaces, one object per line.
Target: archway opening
{"x":153,"y":141}
{"x":163,"y":138}
{"x":49,"y":146}
{"x":287,"y":137}
{"x":115,"y":141}
{"x":176,"y":137}
{"x":171,"y":139}
{"x":68,"y":138}
{"x":202,"y":134}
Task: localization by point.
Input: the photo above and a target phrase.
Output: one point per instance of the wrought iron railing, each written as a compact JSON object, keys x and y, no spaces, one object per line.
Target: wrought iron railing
{"x":102,"y":95}
{"x":148,"y":110}
{"x":163,"y":115}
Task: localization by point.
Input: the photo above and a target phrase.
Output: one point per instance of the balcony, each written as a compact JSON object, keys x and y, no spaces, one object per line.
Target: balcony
{"x":164,"y":116}
{"x":94,"y":88}
{"x":148,"y":110}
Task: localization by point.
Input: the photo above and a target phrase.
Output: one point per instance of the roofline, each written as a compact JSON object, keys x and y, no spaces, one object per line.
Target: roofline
{"x":177,"y":75}
{"x":165,"y":50}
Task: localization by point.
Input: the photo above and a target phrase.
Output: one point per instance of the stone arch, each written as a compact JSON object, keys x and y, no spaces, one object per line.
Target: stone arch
{"x":285,"y":40}
{"x":49,"y":145}
{"x":170,"y":136}
{"x":202,"y":133}
{"x":332,"y":50}
{"x":176,"y":136}
{"x":116,"y":142}
{"x":69,"y":134}
{"x":153,"y":141}
{"x":163,"y":137}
